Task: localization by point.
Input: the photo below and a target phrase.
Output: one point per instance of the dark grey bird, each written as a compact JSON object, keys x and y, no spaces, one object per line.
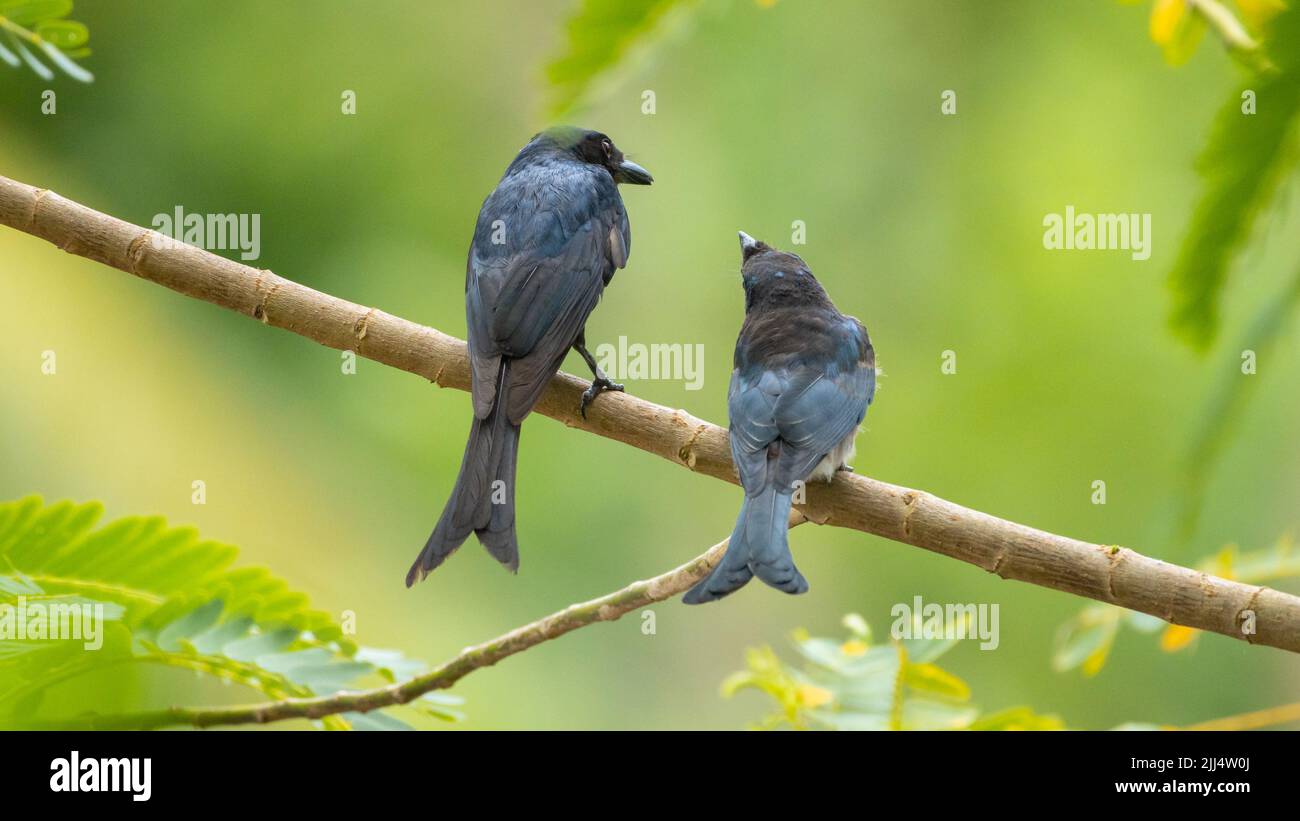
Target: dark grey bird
{"x":804,"y":376}
{"x":547,"y":242}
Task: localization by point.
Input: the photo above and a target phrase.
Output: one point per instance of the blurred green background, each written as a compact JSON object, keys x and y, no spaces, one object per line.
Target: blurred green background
{"x":928,"y":228}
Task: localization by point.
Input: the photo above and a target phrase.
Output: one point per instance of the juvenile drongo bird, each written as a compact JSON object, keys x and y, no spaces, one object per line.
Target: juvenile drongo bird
{"x":804,"y":375}
{"x":547,"y":242}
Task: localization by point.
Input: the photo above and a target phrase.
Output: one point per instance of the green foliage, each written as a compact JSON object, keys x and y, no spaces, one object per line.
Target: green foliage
{"x":1243,"y":164}
{"x":1177,"y":28}
{"x":1248,"y":156}
{"x":43,"y":25}
{"x":167,"y":597}
{"x":1085,"y":641}
{"x":603,"y":35}
{"x":1228,"y":399}
{"x":852,"y":685}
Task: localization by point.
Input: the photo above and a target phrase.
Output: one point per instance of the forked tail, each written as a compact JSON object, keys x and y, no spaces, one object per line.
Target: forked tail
{"x":483,"y":500}
{"x":759,"y":547}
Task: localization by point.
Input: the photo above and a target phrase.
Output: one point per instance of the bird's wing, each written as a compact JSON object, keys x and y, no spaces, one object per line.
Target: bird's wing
{"x":819,"y":411}
{"x":548,"y":239}
{"x":751,"y":404}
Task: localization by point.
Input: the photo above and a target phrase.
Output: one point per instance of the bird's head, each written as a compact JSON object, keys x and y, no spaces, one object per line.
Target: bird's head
{"x":597,"y":149}
{"x":773,"y":278}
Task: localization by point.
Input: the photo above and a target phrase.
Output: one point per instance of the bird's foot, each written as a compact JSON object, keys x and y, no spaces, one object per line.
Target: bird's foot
{"x":845,"y":468}
{"x":598,"y":385}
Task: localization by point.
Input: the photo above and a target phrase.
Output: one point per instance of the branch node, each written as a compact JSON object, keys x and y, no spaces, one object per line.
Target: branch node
{"x":687,"y":451}
{"x":1115,"y":555}
{"x":998,"y":560}
{"x":136,"y":250}
{"x":362,"y":327}
{"x":912,"y":500}
{"x":36,"y":204}
{"x":259,"y":311}
{"x":1250,"y":606}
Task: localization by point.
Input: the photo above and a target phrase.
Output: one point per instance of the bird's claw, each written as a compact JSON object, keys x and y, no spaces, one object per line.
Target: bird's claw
{"x":598,"y":385}
{"x":845,"y":468}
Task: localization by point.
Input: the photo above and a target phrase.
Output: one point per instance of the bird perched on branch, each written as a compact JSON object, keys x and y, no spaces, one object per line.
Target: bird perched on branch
{"x":547,"y":242}
{"x":804,"y":376}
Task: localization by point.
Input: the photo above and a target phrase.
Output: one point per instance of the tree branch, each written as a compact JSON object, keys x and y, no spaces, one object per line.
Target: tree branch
{"x":1106,"y":573}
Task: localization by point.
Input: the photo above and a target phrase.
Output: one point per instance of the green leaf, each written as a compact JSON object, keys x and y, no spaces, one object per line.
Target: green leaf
{"x":927,"y":678}
{"x":869,"y":688}
{"x":192,"y":624}
{"x":27,"y":13}
{"x":328,"y":677}
{"x":261,"y":645}
{"x":1228,"y":400}
{"x":1086,"y":640}
{"x":439,"y":705}
{"x":825,"y":653}
{"x":1281,"y":561}
{"x":851,"y":722}
{"x":168,"y":597}
{"x":858,"y":626}
{"x":11,"y":587}
{"x":214,"y":640}
{"x":1243,"y":165}
{"x":924,"y":714}
{"x":1017,"y":718}
{"x":375,"y":721}
{"x":604,"y":33}
{"x":1143,"y":622}
{"x":63,"y":34}
{"x":36,"y":27}
{"x":392,"y":665}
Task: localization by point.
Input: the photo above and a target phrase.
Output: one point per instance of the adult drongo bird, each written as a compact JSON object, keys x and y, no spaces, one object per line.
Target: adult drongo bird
{"x":547,"y":242}
{"x":804,"y":375}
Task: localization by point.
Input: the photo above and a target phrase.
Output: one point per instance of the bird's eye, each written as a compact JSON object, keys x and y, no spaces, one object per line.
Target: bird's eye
{"x":608,"y":146}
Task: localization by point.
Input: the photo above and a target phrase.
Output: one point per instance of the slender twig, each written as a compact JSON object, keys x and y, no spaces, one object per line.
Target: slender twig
{"x":1235,"y":38}
{"x":1225,"y":24}
{"x":606,"y":608}
{"x":1272,"y":716}
{"x":1106,"y":573}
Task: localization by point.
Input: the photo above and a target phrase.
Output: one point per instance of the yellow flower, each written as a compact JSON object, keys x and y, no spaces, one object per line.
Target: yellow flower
{"x":1176,"y":637}
{"x":810,"y":696}
{"x":853,"y":647}
{"x":1166,"y":17}
{"x":1177,"y":27}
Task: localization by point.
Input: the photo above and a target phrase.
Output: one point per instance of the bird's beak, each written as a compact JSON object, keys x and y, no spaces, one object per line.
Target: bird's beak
{"x":633,"y":174}
{"x":748,"y":246}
